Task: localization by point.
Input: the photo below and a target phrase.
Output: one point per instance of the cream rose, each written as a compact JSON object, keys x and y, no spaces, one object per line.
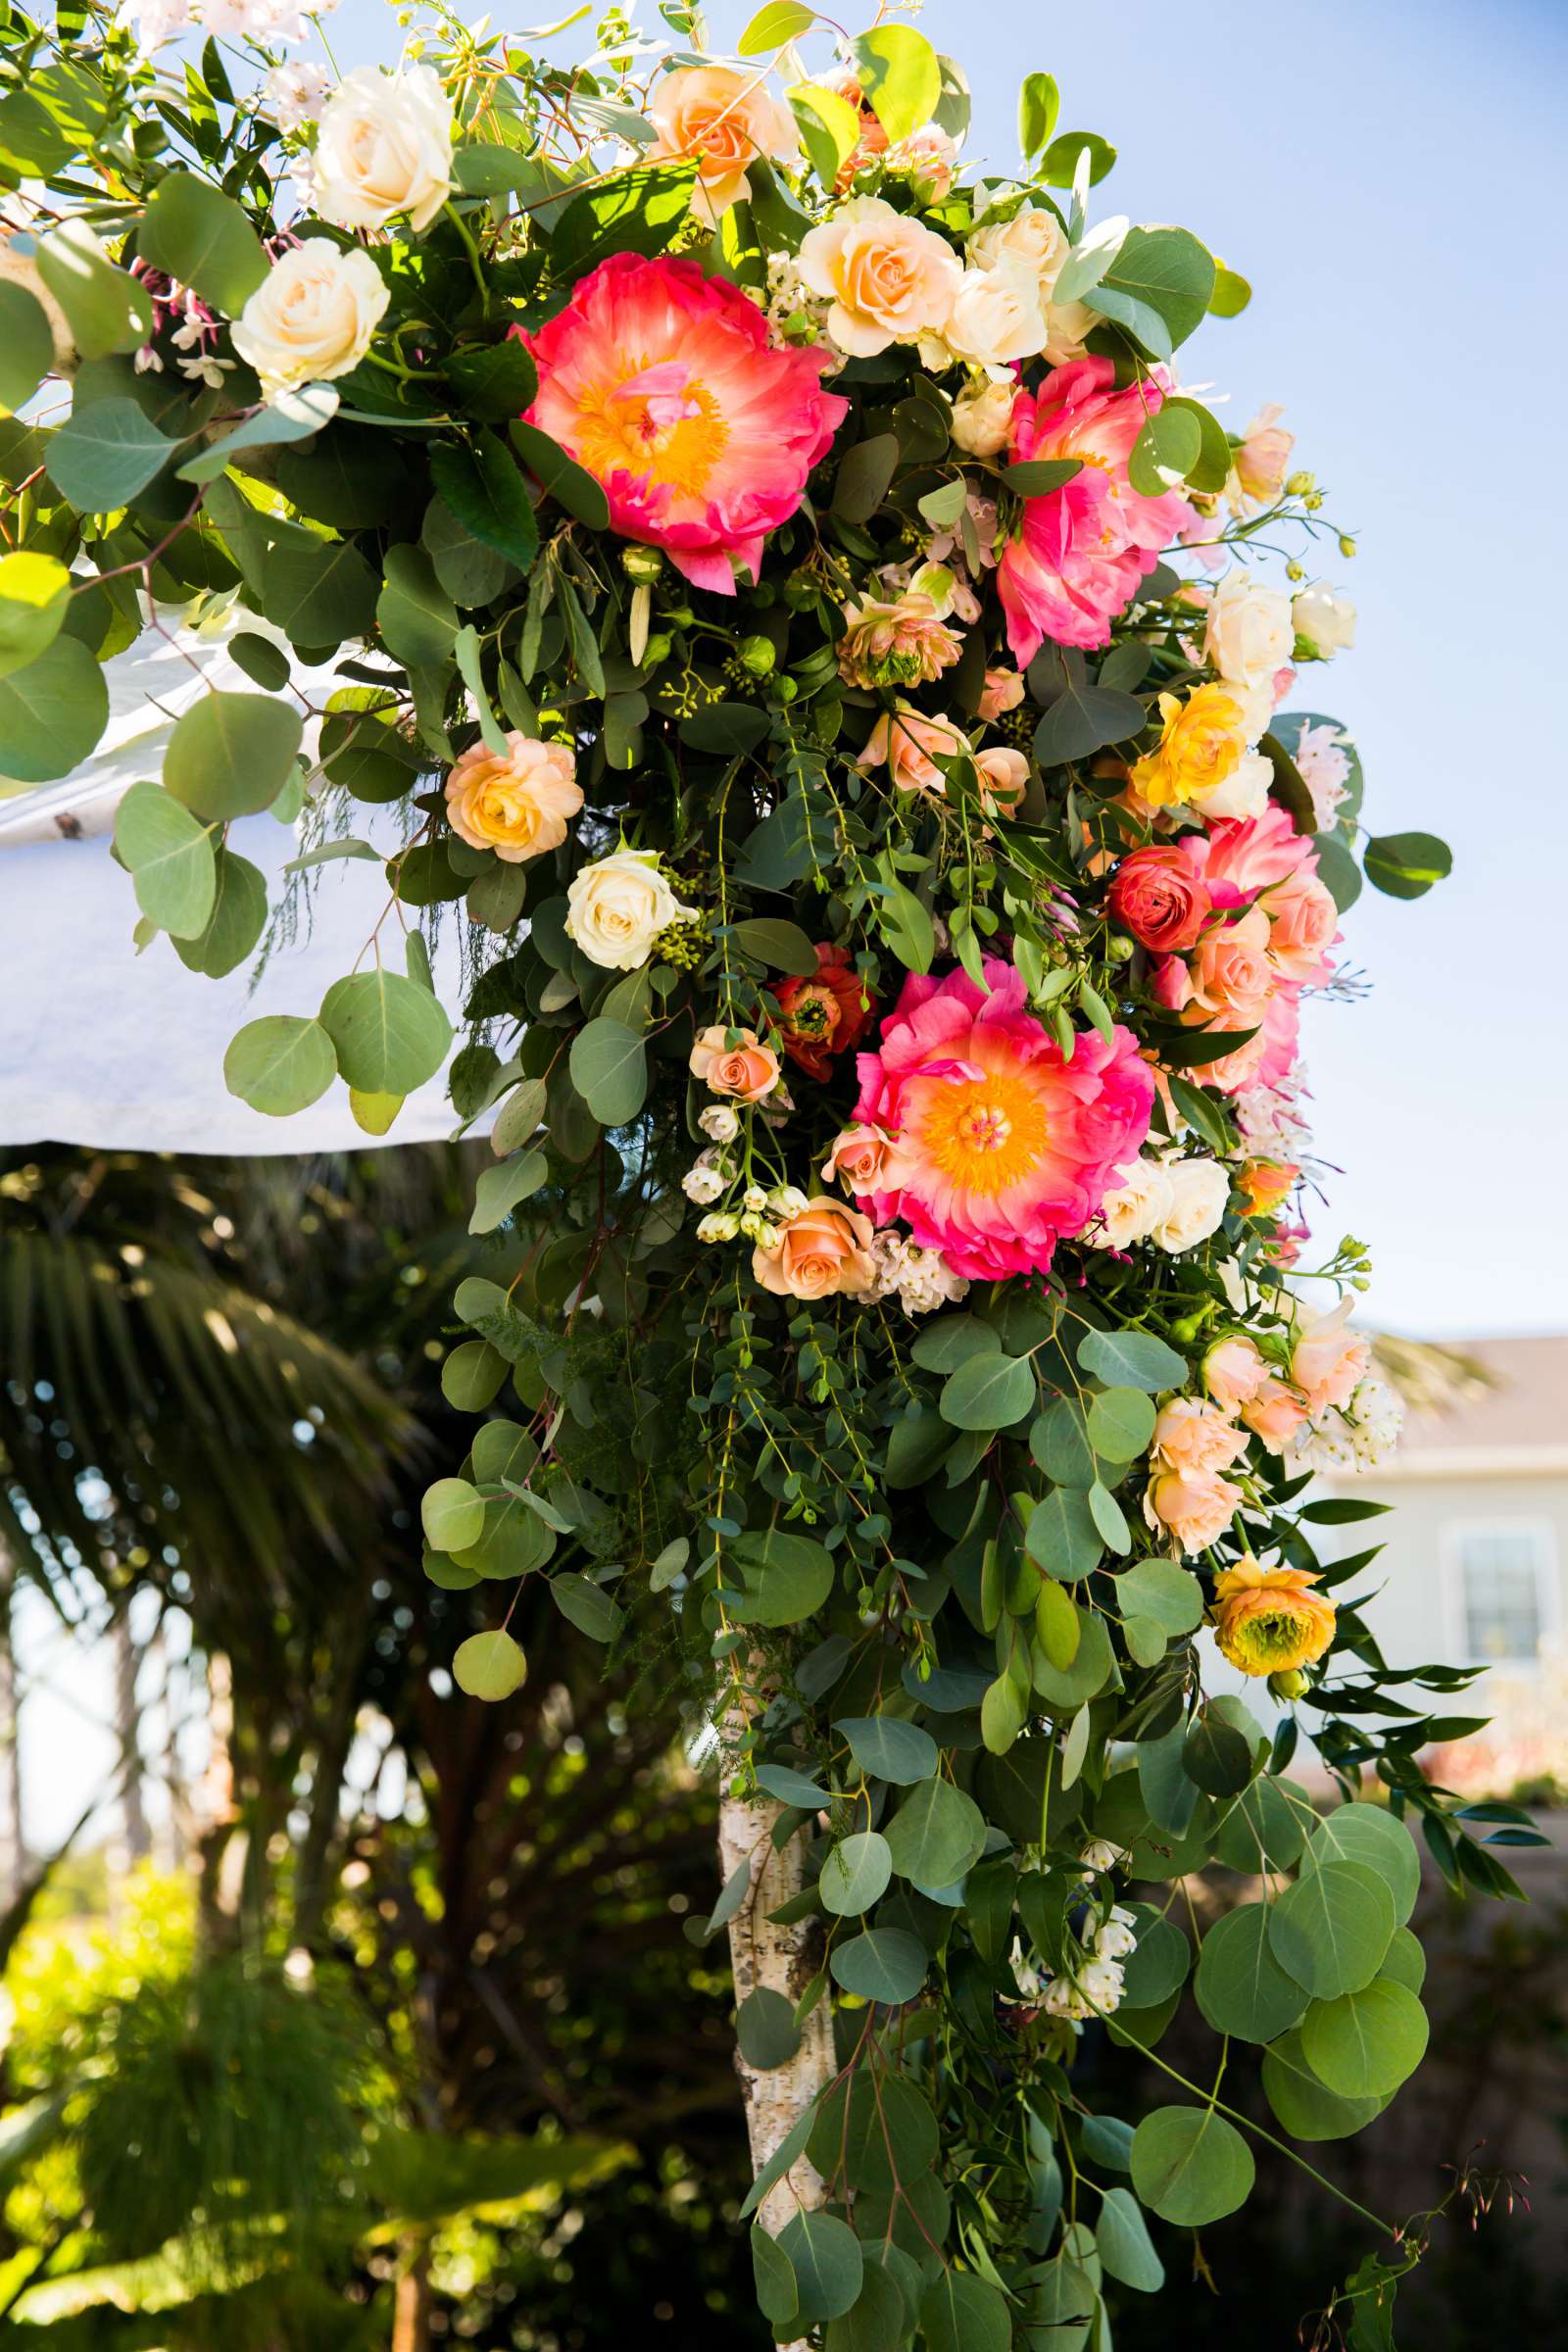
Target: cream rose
{"x":383,"y":147}
{"x":1033,"y":238}
{"x":1143,"y":1199}
{"x":1004,"y":779}
{"x":825,"y":1248}
{"x":1200,"y":1188}
{"x":1250,"y":634}
{"x":982,"y":418}
{"x":1244,"y":790}
{"x":617,"y":908}
{"x":1327,"y":621}
{"x":723,"y":120}
{"x":995,"y":318}
{"x":312,"y":317}
{"x":517,"y":803}
{"x":886,"y":277}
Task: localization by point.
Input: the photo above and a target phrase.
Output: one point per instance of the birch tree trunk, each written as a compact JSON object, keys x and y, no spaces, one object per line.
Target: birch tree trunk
{"x":128,"y":1726}
{"x":13,"y":1843}
{"x":783,"y":1959}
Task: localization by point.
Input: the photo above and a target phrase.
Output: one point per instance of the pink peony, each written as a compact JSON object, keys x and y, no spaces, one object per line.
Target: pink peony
{"x":1083,"y":548}
{"x":1001,"y":1145}
{"x":662,"y":382}
{"x":1251,"y":854}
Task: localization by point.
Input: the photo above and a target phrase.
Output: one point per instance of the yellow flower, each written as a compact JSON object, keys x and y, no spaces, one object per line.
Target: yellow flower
{"x":1270,"y":1619}
{"x":1202,"y":744}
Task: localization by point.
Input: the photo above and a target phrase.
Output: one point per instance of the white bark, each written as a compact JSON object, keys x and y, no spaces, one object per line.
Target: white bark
{"x":784,"y":1959}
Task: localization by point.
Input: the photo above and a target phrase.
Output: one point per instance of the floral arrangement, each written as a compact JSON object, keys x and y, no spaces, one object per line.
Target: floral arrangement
{"x":773,"y":584}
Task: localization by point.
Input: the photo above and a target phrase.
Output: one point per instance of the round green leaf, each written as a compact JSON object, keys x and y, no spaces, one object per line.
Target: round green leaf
{"x":1190,"y":2166}
{"x":34,"y":594}
{"x":1124,"y":2245}
{"x":26,"y":347}
{"x":500,"y":1190}
{"x":1330,"y":1931}
{"x":235,"y":922}
{"x":787,"y":1578}
{"x":875,"y":2321}
{"x":610,"y":1070}
{"x":1369,"y":1834}
{"x":417,"y":618}
{"x":1365,"y":2044}
{"x":51,"y":713}
{"x":1121,"y":1422}
{"x":777,"y":2296}
{"x":856,"y":1873}
{"x":280,"y":1064}
{"x":1240,"y":1986}
{"x":489,"y":1666}
{"x":886,"y":1748}
{"x":452,"y":1513}
{"x":1062,"y":1537}
{"x":1157,"y":1965}
{"x":988,"y":1391}
{"x":1059,"y":1441}
{"x":1065,"y":1688}
{"x":1171,"y":1597}
{"x":516,"y":1540}
{"x":936,"y":1834}
{"x":828,"y":2265}
{"x":1302,"y":2105}
{"x":959,"y":2312}
{"x":1266,"y":1828}
{"x":1404,"y":1962}
{"x":471,"y":1376}
{"x":204,"y":240}
{"x":105,"y":309}
{"x":884,"y":1964}
{"x":1133,"y":1359}
{"x":232,"y":754}
{"x":873,"y":2132}
{"x":105,"y":451}
{"x":168,"y":854}
{"x":900,"y":75}
{"x":766,"y":2028}
{"x":390,"y":1034}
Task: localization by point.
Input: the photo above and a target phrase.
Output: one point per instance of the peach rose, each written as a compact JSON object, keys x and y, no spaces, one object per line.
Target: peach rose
{"x":1234,"y":1371}
{"x":1194,"y":1436}
{"x":516,"y":803}
{"x":1259,"y":466}
{"x":1004,"y":779}
{"x":723,"y":120}
{"x":1229,"y":973}
{"x":1192,"y":1505}
{"x":825,"y":1247}
{"x":1328,"y":1363}
{"x":1303,"y":921}
{"x":859,"y":1159}
{"x":906,"y":741}
{"x":1003,"y":692}
{"x":744,"y":1069}
{"x":887,"y":279}
{"x":1274,"y":1413}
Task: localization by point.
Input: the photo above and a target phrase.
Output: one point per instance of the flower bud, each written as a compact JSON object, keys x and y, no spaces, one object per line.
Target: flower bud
{"x":641,"y":563}
{"x":758,"y":656}
{"x":1293,"y":1684}
{"x":1298,"y":484}
{"x":656,"y":650}
{"x":1347,"y":545}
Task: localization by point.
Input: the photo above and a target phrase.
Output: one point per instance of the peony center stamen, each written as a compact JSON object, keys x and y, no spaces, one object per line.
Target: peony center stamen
{"x":986,"y":1133}
{"x":655,"y":423}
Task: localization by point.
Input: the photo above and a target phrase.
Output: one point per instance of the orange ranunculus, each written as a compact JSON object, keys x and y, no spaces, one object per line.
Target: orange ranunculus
{"x":1270,"y":1620}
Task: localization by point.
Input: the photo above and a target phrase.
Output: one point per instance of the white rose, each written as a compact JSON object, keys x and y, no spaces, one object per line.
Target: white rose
{"x":312,"y":317}
{"x":618,"y":907}
{"x":1202,"y":1189}
{"x":1067,"y":327}
{"x":995,"y":317}
{"x":1244,"y":792}
{"x":1034,"y":239}
{"x":982,"y":418}
{"x":1324,"y":620}
{"x":1145,"y":1198}
{"x":384,"y":146}
{"x":1250,"y":634}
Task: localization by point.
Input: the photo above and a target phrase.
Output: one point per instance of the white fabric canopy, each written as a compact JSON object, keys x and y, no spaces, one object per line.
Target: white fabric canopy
{"x":99,"y":1045}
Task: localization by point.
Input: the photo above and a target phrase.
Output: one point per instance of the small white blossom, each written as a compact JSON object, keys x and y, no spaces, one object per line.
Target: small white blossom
{"x":755,"y":1198}
{"x":294,"y":94}
{"x":720,"y":1121}
{"x":1112,"y":1937}
{"x":1025,"y":1976}
{"x":787,"y":1200}
{"x":720,"y":1225}
{"x":1101,"y":1855}
{"x":1102,"y":1983}
{"x":706,"y":1179}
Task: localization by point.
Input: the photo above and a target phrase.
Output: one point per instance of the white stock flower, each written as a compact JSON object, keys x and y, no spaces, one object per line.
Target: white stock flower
{"x":1326,"y":621}
{"x":1062,"y":1998}
{"x":384,"y":147}
{"x":1249,"y":635}
{"x":787,"y":1200}
{"x":1143,"y":1199}
{"x":618,"y":908}
{"x":1201,"y":1190}
{"x":1099,"y":1854}
{"x":313,"y":316}
{"x":1114,"y":1936}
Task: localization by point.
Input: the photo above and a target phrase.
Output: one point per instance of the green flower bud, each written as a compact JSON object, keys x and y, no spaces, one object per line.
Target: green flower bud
{"x":1347,"y":546}
{"x":641,"y":563}
{"x":758,"y":656}
{"x":656,"y":651}
{"x":1120,"y":949}
{"x":1297,"y":485}
{"x":785,"y":690}
{"x":1292,"y":1685}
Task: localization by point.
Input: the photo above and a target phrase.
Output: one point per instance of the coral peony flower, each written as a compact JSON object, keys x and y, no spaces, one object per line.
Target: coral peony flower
{"x":1162,"y":898}
{"x":1238,"y":860}
{"x":1083,"y":548}
{"x":730,"y":1061}
{"x":823,"y":1248}
{"x":907,"y":741}
{"x":1270,"y":1619}
{"x":825,"y":1015}
{"x":518,"y":803}
{"x":898,"y":641}
{"x":1328,"y":1362}
{"x":1002,"y":1146}
{"x":662,"y":382}
{"x":1193,"y":1507}
{"x":1201,"y":744}
{"x":723,"y":120}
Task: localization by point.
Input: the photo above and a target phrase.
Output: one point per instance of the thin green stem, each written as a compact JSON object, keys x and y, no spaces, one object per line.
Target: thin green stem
{"x":475,"y":265}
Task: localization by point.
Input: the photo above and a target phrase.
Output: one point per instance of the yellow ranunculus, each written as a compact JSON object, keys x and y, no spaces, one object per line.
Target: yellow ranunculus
{"x":1270,"y":1619}
{"x":1202,"y":744}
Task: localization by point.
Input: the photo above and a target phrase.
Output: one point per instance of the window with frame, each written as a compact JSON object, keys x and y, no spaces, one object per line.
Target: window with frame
{"x":1502,"y":1573}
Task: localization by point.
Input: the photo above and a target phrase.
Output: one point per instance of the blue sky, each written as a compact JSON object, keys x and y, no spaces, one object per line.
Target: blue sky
{"x":1390,"y":181}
